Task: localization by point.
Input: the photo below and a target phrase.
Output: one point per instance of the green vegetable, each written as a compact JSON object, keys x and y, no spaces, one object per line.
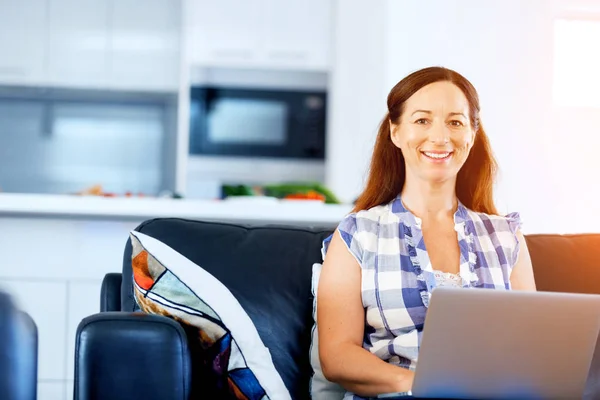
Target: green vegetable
{"x":237,"y":190}
{"x":282,"y":190}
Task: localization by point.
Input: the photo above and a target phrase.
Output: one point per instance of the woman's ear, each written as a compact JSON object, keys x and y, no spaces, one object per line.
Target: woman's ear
{"x":394,"y":134}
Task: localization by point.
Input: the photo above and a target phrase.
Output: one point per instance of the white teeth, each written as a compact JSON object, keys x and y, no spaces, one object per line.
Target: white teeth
{"x":436,"y":155}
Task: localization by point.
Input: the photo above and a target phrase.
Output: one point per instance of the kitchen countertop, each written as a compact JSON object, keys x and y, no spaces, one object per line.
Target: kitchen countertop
{"x":242,"y":210}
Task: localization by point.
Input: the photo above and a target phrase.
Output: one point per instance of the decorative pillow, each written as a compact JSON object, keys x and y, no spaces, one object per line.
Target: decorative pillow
{"x":167,"y":283}
{"x":320,"y":387}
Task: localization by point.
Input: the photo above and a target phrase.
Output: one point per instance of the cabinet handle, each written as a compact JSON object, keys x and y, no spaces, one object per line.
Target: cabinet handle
{"x":233,"y":53}
{"x":288,"y":55}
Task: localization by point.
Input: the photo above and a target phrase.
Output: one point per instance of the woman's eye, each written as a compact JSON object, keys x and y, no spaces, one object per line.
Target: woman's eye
{"x":456,"y":123}
{"x":421,"y":121}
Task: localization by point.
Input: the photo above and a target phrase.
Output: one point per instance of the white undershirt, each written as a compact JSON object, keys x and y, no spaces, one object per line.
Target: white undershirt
{"x":447,"y":279}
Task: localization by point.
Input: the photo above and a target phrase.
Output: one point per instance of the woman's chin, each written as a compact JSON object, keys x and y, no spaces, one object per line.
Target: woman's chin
{"x":440,"y":177}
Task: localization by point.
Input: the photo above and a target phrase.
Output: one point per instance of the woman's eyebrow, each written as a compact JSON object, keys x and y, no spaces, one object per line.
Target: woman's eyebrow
{"x":452,"y":114}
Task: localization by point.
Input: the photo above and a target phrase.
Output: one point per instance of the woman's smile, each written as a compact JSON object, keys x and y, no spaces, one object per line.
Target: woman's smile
{"x":438,"y":157}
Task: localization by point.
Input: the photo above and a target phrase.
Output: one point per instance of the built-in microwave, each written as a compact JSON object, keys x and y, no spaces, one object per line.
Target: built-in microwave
{"x":257,"y":122}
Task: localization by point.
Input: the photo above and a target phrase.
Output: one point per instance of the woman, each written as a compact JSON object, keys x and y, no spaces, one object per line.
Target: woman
{"x":426,"y":219}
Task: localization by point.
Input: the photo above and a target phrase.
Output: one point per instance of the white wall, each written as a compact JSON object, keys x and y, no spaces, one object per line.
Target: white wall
{"x":356,"y":93}
{"x":546,"y":153}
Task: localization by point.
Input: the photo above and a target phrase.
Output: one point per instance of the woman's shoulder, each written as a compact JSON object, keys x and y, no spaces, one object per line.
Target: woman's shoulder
{"x":497,"y":232}
{"x":364,"y":219}
{"x":510,"y":222}
{"x":358,"y":229}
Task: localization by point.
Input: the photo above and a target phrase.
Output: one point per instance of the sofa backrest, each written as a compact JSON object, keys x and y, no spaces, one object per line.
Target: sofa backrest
{"x":268,"y":270}
{"x":566,"y":263}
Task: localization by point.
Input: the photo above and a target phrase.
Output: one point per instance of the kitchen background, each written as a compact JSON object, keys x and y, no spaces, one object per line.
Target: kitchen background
{"x":138,"y":103}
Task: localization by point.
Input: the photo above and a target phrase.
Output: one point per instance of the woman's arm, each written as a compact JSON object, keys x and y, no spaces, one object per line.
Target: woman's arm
{"x":522,"y":277}
{"x":341,"y":319}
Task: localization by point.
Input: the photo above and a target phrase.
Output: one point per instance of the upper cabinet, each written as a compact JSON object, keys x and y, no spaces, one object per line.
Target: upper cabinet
{"x":23,"y":26}
{"x":262,"y":33}
{"x":115,"y":44}
{"x":145,"y":44}
{"x":96,"y":44}
{"x":298,"y":33}
{"x":139,"y":45}
{"x":78,"y":42}
{"x":223,"y":32}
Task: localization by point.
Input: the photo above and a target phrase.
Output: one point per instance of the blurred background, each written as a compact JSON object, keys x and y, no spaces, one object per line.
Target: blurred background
{"x":115,"y":111}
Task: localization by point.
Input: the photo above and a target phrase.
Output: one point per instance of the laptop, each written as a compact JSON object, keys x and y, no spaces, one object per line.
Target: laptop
{"x":495,"y":344}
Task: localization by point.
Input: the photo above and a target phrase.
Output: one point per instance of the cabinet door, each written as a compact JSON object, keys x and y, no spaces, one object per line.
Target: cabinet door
{"x":144,"y":44}
{"x":23,"y":25}
{"x":78,"y":45}
{"x":298,"y":33}
{"x":224,"y":32}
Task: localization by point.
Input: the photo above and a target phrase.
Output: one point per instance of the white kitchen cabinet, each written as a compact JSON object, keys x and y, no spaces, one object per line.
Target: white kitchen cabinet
{"x":145,"y":44}
{"x":23,"y":27}
{"x":297,"y":33}
{"x":225,"y":32}
{"x":78,"y":42}
{"x":114,"y":44}
{"x":274,"y":34}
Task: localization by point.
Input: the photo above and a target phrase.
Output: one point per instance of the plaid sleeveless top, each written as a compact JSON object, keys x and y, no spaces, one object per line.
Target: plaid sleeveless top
{"x":397,"y":276}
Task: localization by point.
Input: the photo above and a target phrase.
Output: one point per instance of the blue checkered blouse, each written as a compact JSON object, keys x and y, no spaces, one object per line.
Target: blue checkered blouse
{"x":397,"y":276}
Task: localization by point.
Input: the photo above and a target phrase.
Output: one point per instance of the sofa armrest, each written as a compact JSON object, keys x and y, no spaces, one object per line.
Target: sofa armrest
{"x":127,"y":356}
{"x":110,"y":293}
{"x":18,"y":352}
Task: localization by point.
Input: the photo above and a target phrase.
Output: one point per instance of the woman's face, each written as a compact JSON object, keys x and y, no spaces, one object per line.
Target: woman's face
{"x":434,"y":132}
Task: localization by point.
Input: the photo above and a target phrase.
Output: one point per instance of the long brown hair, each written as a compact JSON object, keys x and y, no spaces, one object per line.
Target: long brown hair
{"x":387,"y":174}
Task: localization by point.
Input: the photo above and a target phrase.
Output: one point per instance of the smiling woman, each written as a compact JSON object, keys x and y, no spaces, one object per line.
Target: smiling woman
{"x":425,"y":219}
{"x":453,"y":117}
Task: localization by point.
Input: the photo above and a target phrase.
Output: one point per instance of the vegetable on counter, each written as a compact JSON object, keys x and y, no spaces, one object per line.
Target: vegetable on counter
{"x":312,"y":191}
{"x":310,"y":195}
{"x":307,"y":191}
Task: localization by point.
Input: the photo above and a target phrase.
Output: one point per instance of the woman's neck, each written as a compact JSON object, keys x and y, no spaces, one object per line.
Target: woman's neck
{"x":429,"y":200}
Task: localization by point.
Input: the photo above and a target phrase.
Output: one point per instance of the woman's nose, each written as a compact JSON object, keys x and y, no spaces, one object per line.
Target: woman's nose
{"x":439,"y":134}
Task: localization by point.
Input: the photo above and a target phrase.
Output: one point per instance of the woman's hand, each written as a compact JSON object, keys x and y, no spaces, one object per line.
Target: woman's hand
{"x":406,"y":381}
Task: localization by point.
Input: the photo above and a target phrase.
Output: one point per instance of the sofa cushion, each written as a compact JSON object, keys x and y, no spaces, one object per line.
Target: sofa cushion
{"x":230,"y":352}
{"x":267,"y":269}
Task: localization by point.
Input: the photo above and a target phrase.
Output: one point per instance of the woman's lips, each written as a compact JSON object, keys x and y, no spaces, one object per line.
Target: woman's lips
{"x":437,"y":156}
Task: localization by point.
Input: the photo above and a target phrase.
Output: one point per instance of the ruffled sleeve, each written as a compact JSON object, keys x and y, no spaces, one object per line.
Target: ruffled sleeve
{"x":514,"y":225}
{"x":348,"y":230}
{"x":514,"y":221}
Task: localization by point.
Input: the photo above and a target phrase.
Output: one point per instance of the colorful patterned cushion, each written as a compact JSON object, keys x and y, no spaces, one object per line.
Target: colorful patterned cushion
{"x":167,"y":283}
